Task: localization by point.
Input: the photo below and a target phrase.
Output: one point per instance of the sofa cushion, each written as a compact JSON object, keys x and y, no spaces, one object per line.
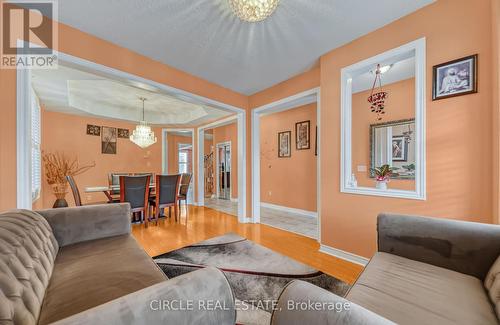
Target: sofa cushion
{"x":411,"y":292}
{"x":91,"y":273}
{"x":492,"y":284}
{"x":28,"y":249}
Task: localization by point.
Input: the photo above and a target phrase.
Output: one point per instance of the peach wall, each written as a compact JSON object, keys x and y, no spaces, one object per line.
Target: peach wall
{"x":80,"y":44}
{"x":8,"y":140}
{"x":289,"y":182}
{"x":400,"y":105}
{"x":292,"y":86}
{"x":495,"y":67}
{"x":459,"y":129}
{"x":229,"y":133}
{"x":66,"y":133}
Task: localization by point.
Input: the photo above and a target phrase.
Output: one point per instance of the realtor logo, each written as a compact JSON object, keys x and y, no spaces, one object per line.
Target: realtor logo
{"x":28,"y":34}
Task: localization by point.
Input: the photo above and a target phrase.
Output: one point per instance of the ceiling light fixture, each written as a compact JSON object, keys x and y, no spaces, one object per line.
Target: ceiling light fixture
{"x":143,"y":136}
{"x":253,"y":10}
{"x":382,"y":70}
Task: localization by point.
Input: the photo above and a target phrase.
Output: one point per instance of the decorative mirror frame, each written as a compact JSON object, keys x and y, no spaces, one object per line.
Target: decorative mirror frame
{"x":347,"y":73}
{"x":375,"y":126}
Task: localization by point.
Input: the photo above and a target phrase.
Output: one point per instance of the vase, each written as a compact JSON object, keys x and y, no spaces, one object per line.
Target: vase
{"x":381,"y":185}
{"x":60,"y":191}
{"x":60,"y":203}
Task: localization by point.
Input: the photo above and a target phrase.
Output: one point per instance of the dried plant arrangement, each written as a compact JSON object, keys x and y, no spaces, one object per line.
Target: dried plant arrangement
{"x":57,"y":166}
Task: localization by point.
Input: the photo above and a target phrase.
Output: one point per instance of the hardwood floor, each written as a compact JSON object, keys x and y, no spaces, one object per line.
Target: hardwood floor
{"x":204,"y":223}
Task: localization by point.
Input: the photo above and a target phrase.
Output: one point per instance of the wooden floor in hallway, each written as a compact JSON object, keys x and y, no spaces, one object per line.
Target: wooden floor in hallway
{"x":203,"y":223}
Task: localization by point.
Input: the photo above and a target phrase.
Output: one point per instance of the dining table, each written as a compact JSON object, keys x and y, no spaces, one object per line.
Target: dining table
{"x":107,"y":190}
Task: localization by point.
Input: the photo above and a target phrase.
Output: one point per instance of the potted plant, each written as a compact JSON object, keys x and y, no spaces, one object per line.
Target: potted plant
{"x":57,"y":167}
{"x":383,"y":175}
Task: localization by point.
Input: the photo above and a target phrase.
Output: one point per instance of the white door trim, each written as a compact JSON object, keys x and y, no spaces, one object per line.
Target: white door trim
{"x":217,"y":145}
{"x":240,"y":119}
{"x":164,"y":156}
{"x":302,"y":98}
{"x":23,"y":129}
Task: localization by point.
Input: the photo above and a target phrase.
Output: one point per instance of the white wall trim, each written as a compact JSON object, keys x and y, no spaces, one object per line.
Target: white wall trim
{"x":299,"y":99}
{"x":233,"y":199}
{"x":420,"y":135}
{"x":353,"y":258}
{"x":23,"y":170}
{"x":240,"y":119}
{"x":306,"y":213}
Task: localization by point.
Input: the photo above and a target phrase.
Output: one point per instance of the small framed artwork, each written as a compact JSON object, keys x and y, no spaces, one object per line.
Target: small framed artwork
{"x":316,"y":143}
{"x":303,"y":135}
{"x":284,"y":144}
{"x":455,"y":78}
{"x":93,"y":130}
{"x":123,"y":133}
{"x":399,"y":149}
{"x":108,"y":140}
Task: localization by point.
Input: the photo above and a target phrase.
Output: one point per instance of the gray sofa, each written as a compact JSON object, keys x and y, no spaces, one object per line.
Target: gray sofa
{"x":82,"y":266}
{"x":426,"y":271}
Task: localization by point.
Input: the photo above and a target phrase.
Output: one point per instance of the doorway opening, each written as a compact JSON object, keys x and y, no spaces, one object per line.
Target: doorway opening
{"x":222,"y":145}
{"x":178,"y":157}
{"x":286,"y":164}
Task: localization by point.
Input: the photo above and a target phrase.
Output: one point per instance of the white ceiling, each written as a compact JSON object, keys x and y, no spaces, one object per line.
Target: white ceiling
{"x":73,"y":91}
{"x":204,"y":38}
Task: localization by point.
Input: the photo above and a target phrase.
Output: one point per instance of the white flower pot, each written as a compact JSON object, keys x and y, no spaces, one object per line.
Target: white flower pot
{"x":381,"y":185}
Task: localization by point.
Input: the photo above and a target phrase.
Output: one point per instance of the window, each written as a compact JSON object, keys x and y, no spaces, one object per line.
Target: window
{"x":36,"y":154}
{"x":184,"y":153}
{"x":183,"y":161}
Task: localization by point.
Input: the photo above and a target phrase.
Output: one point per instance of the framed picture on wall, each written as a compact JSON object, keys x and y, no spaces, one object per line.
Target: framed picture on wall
{"x":303,"y":135}
{"x":399,"y":149}
{"x":108,"y":140}
{"x":123,"y":133}
{"x":455,"y":78}
{"x":93,"y":130}
{"x":284,"y":144}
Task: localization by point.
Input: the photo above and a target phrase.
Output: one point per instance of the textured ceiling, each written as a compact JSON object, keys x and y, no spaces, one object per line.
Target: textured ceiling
{"x":204,"y":38}
{"x":73,"y":91}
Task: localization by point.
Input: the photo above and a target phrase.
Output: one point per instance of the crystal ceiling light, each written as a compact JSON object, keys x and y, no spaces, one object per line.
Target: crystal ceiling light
{"x":143,"y":136}
{"x":253,"y":10}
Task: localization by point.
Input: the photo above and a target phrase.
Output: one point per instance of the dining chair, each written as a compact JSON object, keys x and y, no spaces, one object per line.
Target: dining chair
{"x":152,"y":179}
{"x":183,"y":191}
{"x":135,"y":190}
{"x":166,"y":195}
{"x":114,"y":180}
{"x":74,"y":190}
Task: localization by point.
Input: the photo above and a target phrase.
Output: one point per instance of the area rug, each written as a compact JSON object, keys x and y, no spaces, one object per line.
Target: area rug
{"x":256,"y":274}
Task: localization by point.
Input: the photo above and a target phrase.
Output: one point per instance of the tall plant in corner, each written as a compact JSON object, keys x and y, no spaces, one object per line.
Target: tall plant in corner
{"x":383,"y":175}
{"x":57,"y":167}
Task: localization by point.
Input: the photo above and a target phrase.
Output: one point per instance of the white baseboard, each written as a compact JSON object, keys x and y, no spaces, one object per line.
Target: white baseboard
{"x":343,"y":255}
{"x":234,"y":199}
{"x":311,"y":214}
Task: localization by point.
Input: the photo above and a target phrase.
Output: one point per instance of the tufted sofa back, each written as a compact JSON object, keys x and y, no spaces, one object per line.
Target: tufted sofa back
{"x":28,"y":249}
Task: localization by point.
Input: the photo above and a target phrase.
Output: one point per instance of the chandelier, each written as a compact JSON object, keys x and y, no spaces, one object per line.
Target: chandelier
{"x":378,"y":97}
{"x":143,"y":136}
{"x":253,"y":10}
